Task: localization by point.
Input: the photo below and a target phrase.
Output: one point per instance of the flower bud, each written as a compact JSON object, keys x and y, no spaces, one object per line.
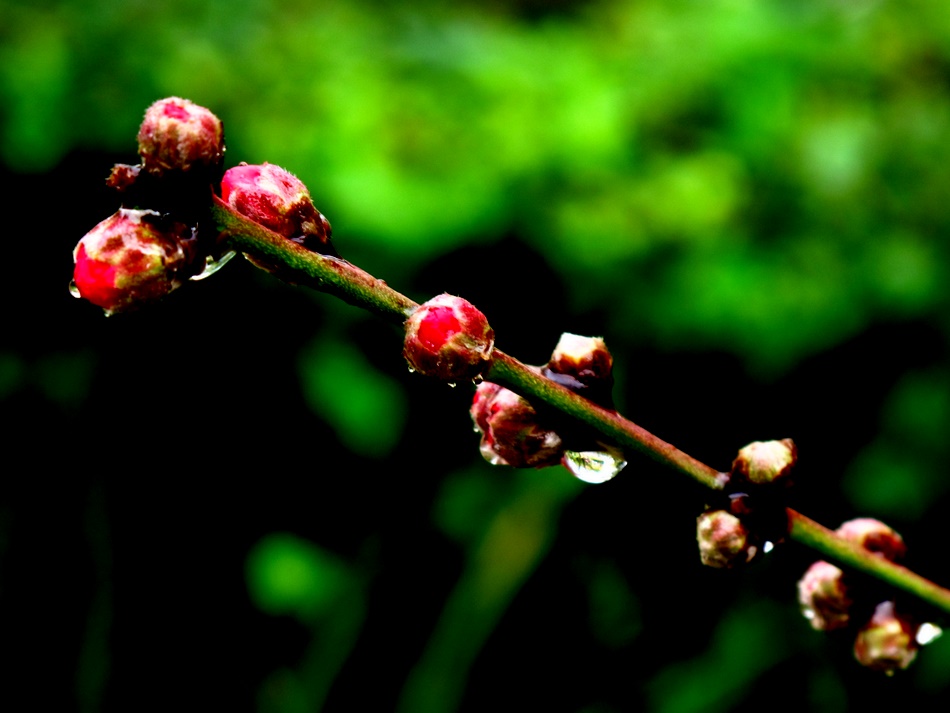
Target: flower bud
{"x":585,"y":358}
{"x":178,"y":135}
{"x":511,"y":434}
{"x":724,"y":541}
{"x":824,"y":597}
{"x":447,"y":337}
{"x":132,"y":258}
{"x":874,"y":536}
{"x":278,"y":200}
{"x":764,"y":462}
{"x":887,"y":642}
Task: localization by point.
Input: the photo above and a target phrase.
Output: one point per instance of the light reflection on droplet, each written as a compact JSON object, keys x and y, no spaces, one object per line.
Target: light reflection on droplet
{"x":808,"y":613}
{"x":927,"y":633}
{"x":592,"y":466}
{"x":451,"y":384}
{"x":73,"y":290}
{"x":411,"y":370}
{"x":476,"y":380}
{"x":768,"y":546}
{"x":212,"y":266}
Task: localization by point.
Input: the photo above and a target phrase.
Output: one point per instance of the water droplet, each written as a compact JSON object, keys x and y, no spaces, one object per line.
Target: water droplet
{"x":927,"y":633}
{"x":73,"y":290}
{"x":451,"y":384}
{"x":768,"y":547}
{"x":476,"y":380}
{"x":808,"y":613}
{"x":593,"y":466}
{"x":411,"y":370}
{"x":212,"y":266}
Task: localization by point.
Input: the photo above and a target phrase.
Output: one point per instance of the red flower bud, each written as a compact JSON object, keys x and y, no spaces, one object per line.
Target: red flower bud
{"x":874,"y":536}
{"x":887,"y":642}
{"x":131,"y":258}
{"x":278,"y":200}
{"x":724,"y":541}
{"x":178,"y":135}
{"x":764,"y":462}
{"x":511,"y":434}
{"x":824,"y":597}
{"x":447,"y":337}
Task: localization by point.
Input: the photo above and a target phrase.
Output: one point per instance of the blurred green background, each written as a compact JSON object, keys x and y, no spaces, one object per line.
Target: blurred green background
{"x":241,"y":500}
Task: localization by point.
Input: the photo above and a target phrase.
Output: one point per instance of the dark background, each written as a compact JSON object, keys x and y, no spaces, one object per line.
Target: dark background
{"x":240,"y":498}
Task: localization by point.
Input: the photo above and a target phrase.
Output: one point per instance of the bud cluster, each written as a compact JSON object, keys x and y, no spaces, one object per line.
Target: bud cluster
{"x":164,"y":235}
{"x":751,"y":517}
{"x":886,"y":640}
{"x":516,"y":433}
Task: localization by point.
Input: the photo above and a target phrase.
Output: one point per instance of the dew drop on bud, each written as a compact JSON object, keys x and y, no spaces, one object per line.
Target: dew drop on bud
{"x":73,"y":290}
{"x":592,"y":466}
{"x":212,"y":266}
{"x":928,"y":633}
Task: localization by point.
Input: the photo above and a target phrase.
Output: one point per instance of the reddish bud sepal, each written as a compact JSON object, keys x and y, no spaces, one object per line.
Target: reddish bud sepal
{"x":824,"y":597}
{"x":765,"y":462}
{"x":130,"y":259}
{"x":888,"y":642}
{"x":278,"y":200}
{"x":179,"y":136}
{"x":448,"y":338}
{"x":511,"y":434}
{"x":874,"y":536}
{"x":724,"y":541}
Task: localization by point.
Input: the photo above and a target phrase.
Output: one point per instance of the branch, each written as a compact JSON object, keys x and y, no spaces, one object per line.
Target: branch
{"x":294,"y":263}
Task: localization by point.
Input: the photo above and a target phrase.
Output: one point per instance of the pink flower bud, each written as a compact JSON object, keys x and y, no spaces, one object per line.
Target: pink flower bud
{"x":824,"y":597}
{"x":278,"y":200}
{"x":178,"y":135}
{"x":585,"y":358}
{"x":887,"y":642}
{"x":130,"y":259}
{"x":447,"y":337}
{"x":724,"y":541}
{"x":874,"y":536}
{"x":511,"y":434}
{"x":764,"y":462}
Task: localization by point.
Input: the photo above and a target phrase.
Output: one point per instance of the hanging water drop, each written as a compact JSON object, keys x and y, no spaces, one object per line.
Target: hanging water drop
{"x":593,"y":466}
{"x":768,"y":546}
{"x":411,"y":370}
{"x":212,"y":266}
{"x":73,"y":290}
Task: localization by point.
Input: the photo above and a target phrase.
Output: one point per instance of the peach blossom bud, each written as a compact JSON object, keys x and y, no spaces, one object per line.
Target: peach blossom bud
{"x":130,"y":259}
{"x":824,"y":597}
{"x":887,"y":642}
{"x":511,"y":433}
{"x":764,"y":462}
{"x":448,"y":338}
{"x":874,"y":536}
{"x":179,"y":135}
{"x":724,"y":541}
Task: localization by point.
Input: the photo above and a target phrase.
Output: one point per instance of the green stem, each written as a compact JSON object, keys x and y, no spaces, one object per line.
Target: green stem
{"x":293,"y":263}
